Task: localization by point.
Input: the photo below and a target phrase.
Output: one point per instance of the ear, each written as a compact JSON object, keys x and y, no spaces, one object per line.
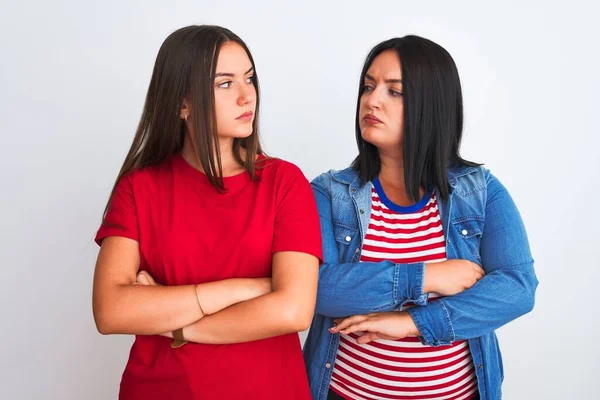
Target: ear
{"x":185,"y":110}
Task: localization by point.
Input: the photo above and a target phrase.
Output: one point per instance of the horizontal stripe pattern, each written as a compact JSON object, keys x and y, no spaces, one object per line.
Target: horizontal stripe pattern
{"x":405,"y":368}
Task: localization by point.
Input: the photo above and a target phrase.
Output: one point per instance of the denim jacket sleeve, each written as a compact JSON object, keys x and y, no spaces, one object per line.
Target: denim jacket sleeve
{"x":349,"y":288}
{"x":506,"y":292}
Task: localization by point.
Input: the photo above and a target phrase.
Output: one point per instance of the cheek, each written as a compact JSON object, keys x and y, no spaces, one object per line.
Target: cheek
{"x":399,"y":112}
{"x":223,"y":109}
{"x":220,"y":103}
{"x":221,"y":113}
{"x":363,"y":106}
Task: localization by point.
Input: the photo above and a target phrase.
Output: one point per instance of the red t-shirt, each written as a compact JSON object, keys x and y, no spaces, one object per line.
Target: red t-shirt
{"x":188,"y":234}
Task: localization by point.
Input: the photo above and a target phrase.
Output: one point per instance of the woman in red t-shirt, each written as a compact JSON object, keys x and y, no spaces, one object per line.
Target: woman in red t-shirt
{"x":205,"y":239}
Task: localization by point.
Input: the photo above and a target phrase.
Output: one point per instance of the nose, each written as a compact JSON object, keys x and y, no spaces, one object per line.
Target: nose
{"x":246,"y":96}
{"x":373,"y":99}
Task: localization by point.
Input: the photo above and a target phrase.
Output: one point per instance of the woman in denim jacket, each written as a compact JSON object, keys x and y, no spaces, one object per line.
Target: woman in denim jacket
{"x":425,"y":253}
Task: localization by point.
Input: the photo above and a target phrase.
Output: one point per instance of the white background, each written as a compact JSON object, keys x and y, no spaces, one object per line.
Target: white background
{"x":73,"y":77}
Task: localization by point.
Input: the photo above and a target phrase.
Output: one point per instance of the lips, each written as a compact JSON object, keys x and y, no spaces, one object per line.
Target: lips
{"x":246,"y":115}
{"x":371,"y":119}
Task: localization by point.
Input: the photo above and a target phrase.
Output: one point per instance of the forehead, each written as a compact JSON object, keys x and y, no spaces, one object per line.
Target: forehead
{"x":233,"y":59}
{"x":386,"y":66}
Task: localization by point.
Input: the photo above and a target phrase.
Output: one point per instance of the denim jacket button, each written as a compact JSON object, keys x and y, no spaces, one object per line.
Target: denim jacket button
{"x":480,"y":366}
{"x":362,"y":211}
{"x":328,"y":365}
{"x":464,"y":232}
{"x":353,"y":190}
{"x":348,"y":238}
{"x":357,"y":250}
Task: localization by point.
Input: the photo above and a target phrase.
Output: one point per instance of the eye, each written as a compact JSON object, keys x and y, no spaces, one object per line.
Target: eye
{"x":250,"y":79}
{"x":225,"y":85}
{"x":395,"y":93}
{"x":367,"y":88}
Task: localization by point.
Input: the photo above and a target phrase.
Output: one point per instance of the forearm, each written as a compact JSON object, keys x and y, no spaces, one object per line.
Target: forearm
{"x":216,"y":296}
{"x":495,"y":300}
{"x":273,"y":314}
{"x":148,"y":310}
{"x":361,"y":288}
{"x":506,"y":292}
{"x":145,"y":310}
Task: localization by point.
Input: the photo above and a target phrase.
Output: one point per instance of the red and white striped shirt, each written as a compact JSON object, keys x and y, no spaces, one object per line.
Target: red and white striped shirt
{"x":405,"y":368}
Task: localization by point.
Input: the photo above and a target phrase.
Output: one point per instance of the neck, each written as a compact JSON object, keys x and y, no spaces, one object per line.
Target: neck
{"x":392,"y":179}
{"x":392,"y":169}
{"x":228,"y":162}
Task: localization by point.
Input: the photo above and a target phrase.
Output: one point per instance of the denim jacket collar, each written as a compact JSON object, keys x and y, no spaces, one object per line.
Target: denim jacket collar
{"x":349,"y":176}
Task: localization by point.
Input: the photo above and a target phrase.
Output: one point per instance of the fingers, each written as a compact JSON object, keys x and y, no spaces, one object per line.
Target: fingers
{"x":368,"y":337}
{"x":478,"y":272}
{"x":144,"y":278}
{"x":362,"y":326}
{"x":475,"y":267}
{"x":346,"y":322}
{"x":474,"y":273}
{"x":356,"y":323}
{"x":370,"y":325}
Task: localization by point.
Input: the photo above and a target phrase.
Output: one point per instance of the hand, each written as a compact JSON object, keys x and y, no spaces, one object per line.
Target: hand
{"x":451,"y":276}
{"x":145,"y":279}
{"x":386,"y":325}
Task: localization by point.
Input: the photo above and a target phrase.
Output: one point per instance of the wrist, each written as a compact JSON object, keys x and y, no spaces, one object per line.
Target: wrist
{"x":178,"y":339}
{"x":411,"y":327}
{"x":429,"y":278}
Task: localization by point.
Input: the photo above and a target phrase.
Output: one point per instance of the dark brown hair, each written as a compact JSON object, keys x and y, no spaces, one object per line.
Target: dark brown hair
{"x":185,"y":69}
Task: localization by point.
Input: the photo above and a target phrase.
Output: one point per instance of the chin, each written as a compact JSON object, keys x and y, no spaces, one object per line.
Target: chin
{"x":241,"y":134}
{"x":380,"y":138}
{"x":245,"y":134}
{"x":372,"y":135}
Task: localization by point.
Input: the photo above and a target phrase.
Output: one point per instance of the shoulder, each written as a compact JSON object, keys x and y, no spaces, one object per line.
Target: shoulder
{"x":333,"y":179}
{"x":281,"y":178}
{"x":467,"y":180}
{"x":475,"y":182}
{"x":278,"y":170}
{"x":148,"y":176}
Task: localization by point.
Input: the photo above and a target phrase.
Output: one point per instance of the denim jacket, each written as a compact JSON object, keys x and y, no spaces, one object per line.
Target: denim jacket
{"x":481,"y":224}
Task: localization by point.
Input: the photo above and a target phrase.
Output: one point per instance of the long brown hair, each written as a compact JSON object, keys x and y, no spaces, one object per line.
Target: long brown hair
{"x":185,"y":69}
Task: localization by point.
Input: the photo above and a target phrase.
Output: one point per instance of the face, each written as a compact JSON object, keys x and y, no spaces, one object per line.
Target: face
{"x":235,"y":94}
{"x":381,"y":113}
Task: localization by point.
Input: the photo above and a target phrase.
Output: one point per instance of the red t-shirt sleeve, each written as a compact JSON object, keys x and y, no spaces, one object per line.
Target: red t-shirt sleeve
{"x":297,"y":218}
{"x":121,"y":217}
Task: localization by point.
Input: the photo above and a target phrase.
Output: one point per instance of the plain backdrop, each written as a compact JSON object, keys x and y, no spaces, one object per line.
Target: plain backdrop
{"x":73,"y":77}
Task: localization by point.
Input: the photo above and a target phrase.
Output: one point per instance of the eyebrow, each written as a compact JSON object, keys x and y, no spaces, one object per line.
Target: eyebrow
{"x":369,"y":77}
{"x":230,"y":74}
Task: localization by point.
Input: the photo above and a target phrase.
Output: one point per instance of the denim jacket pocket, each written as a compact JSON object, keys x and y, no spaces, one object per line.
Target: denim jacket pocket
{"x":346,"y":238}
{"x":469,"y":230}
